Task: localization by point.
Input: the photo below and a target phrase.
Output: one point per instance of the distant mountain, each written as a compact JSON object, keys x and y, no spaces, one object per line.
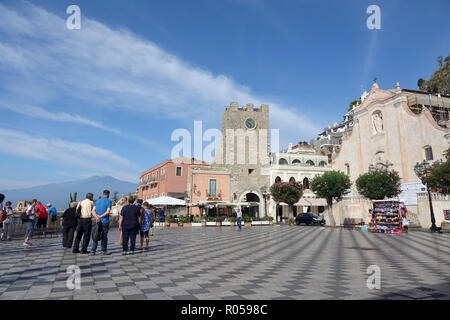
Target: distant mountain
{"x":59,"y":193}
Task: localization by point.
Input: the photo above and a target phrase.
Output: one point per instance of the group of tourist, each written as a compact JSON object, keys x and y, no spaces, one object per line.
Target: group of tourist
{"x":85,"y":220}
{"x":36,"y":215}
{"x":135,"y":218}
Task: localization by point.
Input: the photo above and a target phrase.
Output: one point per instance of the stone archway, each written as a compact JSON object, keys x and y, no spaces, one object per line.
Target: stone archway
{"x":252,"y":196}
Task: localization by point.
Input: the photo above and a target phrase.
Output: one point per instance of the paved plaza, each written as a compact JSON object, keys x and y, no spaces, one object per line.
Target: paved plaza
{"x":278,"y":262}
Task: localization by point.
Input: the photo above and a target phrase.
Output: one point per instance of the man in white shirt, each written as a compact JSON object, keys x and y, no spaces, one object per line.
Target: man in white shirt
{"x":85,"y":224}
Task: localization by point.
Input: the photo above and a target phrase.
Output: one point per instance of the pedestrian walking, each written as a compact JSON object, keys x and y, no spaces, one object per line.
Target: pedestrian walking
{"x":29,"y":222}
{"x":84,"y":227}
{"x":69,"y":224}
{"x":6,"y":230}
{"x":101,"y":211}
{"x":42,"y":217}
{"x":129,"y":226}
{"x":239,"y":218}
{"x":146,"y":225}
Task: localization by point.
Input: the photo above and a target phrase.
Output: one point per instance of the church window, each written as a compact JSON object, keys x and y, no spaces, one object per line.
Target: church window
{"x":428,"y":153}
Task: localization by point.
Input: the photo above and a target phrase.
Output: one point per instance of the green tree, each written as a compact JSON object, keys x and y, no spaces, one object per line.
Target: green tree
{"x":287,"y":192}
{"x":332,"y":185}
{"x":353,"y":104}
{"x":439,"y":177}
{"x":379,"y":184}
{"x":73,"y":198}
{"x":439,"y":81}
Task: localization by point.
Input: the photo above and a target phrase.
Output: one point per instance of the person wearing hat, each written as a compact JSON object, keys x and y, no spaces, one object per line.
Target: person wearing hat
{"x":51,"y":215}
{"x":69,"y":224}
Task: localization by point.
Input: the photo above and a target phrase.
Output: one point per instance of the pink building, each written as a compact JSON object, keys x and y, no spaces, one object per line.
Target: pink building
{"x":209,"y":190}
{"x":168,"y":178}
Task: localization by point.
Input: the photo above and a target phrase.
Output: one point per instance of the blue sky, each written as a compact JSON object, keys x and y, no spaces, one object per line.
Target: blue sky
{"x":105,"y":99}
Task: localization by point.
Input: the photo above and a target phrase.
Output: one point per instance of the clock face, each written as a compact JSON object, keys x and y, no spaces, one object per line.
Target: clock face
{"x":250,"y":123}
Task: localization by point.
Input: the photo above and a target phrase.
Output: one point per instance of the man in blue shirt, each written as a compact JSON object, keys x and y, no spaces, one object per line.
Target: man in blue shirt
{"x":52,"y":215}
{"x":100,"y":212}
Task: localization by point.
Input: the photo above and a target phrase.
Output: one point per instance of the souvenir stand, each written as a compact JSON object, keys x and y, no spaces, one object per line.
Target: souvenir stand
{"x":387,"y":216}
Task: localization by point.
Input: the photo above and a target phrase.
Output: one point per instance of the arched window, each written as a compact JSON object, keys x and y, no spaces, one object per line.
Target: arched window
{"x":292,"y":179}
{"x":310,"y":163}
{"x":305,"y":183}
{"x":277,"y":180}
{"x":296,"y":162}
{"x":428,"y":153}
{"x":282,"y":161}
{"x":322,"y":164}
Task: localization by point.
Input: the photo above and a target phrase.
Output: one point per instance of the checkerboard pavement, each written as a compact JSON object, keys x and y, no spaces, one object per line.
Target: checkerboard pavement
{"x":279,"y":262}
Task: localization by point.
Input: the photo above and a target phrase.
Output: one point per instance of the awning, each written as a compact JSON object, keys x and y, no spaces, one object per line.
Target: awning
{"x":306,"y":202}
{"x":223,"y":204}
{"x":311,"y":202}
{"x":166,"y":201}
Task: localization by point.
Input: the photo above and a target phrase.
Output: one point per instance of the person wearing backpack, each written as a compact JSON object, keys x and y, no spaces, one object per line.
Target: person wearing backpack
{"x":6,"y":232}
{"x":30,"y":216}
{"x":42,"y":217}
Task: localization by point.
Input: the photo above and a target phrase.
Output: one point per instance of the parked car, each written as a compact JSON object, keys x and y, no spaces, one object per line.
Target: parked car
{"x":309,"y":219}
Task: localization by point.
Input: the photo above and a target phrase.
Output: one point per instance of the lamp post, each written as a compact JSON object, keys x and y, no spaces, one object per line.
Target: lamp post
{"x":264,"y":194}
{"x":422,"y":170}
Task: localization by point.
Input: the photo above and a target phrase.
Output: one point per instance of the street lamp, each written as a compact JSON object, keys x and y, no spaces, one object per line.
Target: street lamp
{"x":422,"y":170}
{"x":265,"y":196}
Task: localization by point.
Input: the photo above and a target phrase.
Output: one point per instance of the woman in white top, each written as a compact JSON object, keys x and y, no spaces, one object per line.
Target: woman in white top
{"x":30,"y":223}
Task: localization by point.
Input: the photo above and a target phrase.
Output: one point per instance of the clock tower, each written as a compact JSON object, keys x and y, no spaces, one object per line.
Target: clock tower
{"x":245,"y":153}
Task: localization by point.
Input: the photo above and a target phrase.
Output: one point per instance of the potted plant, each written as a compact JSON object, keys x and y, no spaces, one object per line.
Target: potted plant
{"x":167,"y":221}
{"x":270,"y":221}
{"x":291,"y":221}
{"x":203,"y":220}
{"x":265,"y":220}
{"x":218,"y":221}
{"x":180,"y":221}
{"x":445,"y":225}
{"x":233,"y":221}
{"x":197,"y":222}
{"x":226,"y":221}
{"x":256,"y":221}
{"x":210,"y":221}
{"x":247,"y":221}
{"x":187,"y":221}
{"x":173,"y":222}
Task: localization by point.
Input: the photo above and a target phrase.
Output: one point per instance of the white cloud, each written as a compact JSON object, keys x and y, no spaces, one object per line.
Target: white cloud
{"x":40,"y":113}
{"x":118,"y":70}
{"x":67,"y":153}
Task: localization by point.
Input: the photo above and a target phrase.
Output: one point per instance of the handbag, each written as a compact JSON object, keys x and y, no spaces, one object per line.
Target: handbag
{"x":24,"y":217}
{"x":97,"y":232}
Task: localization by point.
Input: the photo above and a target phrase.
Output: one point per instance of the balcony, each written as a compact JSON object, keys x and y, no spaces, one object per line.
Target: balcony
{"x":147,"y":182}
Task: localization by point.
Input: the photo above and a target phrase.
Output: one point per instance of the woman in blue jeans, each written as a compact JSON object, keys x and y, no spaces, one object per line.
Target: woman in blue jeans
{"x":30,"y":223}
